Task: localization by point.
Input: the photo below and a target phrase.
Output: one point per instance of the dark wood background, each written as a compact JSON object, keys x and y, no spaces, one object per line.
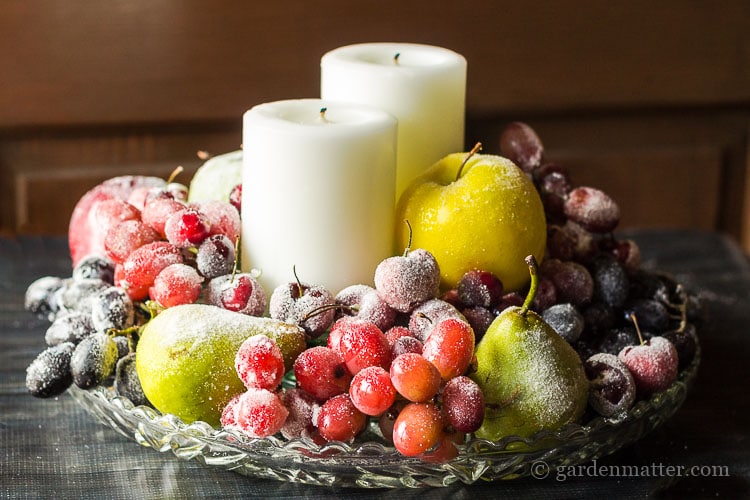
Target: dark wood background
{"x":649,"y":101}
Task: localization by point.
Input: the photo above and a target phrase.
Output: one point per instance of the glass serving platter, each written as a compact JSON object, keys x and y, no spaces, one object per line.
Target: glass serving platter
{"x":370,"y":462}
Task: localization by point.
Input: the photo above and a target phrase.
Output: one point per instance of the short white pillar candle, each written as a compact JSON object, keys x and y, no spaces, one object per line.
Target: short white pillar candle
{"x":317,"y":192}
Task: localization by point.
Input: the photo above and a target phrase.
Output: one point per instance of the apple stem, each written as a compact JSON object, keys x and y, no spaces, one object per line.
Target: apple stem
{"x":534,"y":272}
{"x":477,"y":147}
{"x":323,"y":115}
{"x":395,"y":58}
{"x":637,"y":328}
{"x":177,"y":171}
{"x":408,"y":244}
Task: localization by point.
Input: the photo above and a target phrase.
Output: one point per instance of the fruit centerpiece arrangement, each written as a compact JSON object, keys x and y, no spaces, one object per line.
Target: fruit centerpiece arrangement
{"x":513,"y":309}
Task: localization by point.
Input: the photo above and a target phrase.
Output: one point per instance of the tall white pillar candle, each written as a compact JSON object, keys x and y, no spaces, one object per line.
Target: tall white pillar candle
{"x":423,"y":86}
{"x":317,"y":192}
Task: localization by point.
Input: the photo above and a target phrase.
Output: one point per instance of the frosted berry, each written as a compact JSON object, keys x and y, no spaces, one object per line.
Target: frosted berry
{"x":187,"y":228}
{"x":653,"y":364}
{"x":593,"y":209}
{"x":406,"y":281}
{"x":240,"y":293}
{"x":309,"y":306}
{"x":260,"y":363}
{"x":371,"y":391}
{"x":176,"y":284}
{"x":321,"y":372}
{"x":215,"y":257}
{"x":259,"y":413}
{"x":463,"y":404}
{"x":339,"y":420}
{"x":611,"y":386}
{"x":364,"y":302}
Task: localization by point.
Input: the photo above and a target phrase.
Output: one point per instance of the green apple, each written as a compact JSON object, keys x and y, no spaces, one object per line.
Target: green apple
{"x":215,"y":179}
{"x":474,"y":211}
{"x":185,"y":357}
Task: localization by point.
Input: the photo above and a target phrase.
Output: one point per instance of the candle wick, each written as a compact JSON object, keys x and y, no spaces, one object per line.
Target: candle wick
{"x":395,"y":58}
{"x":323,"y":114}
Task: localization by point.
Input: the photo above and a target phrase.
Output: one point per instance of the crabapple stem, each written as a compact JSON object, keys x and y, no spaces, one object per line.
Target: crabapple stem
{"x":477,"y":147}
{"x":236,"y":256}
{"x":637,"y":328}
{"x":299,"y":283}
{"x":534,"y":272}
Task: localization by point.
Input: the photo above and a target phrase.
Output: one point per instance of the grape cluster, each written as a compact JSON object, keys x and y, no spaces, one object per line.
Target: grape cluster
{"x":594,"y":291}
{"x":91,"y":334}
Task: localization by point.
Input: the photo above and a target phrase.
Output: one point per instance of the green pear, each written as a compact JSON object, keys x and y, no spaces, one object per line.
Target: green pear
{"x":532,"y":379}
{"x":185,"y":357}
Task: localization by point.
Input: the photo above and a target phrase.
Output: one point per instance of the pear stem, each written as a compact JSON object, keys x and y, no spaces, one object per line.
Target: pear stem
{"x":477,"y":147}
{"x":534,"y":272}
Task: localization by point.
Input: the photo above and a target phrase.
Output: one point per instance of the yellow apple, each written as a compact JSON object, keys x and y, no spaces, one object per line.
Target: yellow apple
{"x":485,"y":215}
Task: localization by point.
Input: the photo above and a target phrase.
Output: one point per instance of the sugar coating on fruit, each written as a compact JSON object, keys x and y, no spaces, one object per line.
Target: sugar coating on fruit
{"x":49,"y":374}
{"x":187,"y":228}
{"x":216,"y":256}
{"x":364,"y":302}
{"x":565,"y":320}
{"x":69,"y":327}
{"x":176,"y":284}
{"x":259,"y":413}
{"x":301,"y":407}
{"x":240,"y":293}
{"x":39,"y":296}
{"x":122,"y":239}
{"x":94,"y":267}
{"x":612,"y":387}
{"x":428,"y":314}
{"x":260,"y":363}
{"x":156,"y":212}
{"x":305,"y":305}
{"x":320,"y":371}
{"x":405,"y":282}
{"x":223,"y":217}
{"x":76,"y":295}
{"x":112,"y":308}
{"x":463,"y":404}
{"x":653,"y":364}
{"x":593,"y":209}
{"x":85,"y":238}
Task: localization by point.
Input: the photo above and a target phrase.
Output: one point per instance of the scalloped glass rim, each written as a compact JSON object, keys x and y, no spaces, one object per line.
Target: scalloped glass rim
{"x":370,"y":462}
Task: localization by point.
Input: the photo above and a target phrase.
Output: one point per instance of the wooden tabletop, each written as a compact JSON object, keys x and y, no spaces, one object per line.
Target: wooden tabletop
{"x":53,"y":448}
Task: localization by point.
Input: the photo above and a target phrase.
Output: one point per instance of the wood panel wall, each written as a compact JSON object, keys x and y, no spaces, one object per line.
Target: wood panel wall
{"x":649,"y":101}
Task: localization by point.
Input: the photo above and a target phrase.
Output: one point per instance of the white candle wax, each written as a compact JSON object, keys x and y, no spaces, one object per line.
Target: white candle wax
{"x":317,"y":191}
{"x":424,"y":88}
